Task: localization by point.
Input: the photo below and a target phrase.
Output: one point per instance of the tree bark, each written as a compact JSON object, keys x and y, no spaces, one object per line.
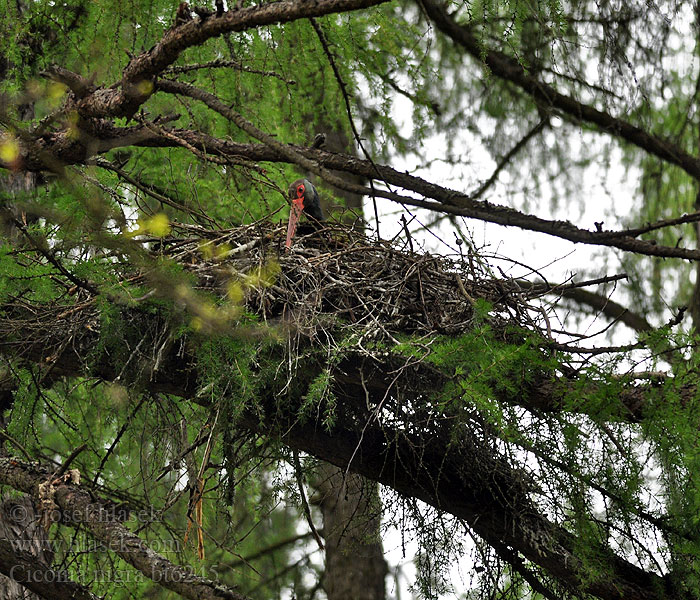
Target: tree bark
{"x":351,"y":507}
{"x":25,"y":554}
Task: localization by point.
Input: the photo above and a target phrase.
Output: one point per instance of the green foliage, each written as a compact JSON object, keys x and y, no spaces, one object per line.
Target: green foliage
{"x":228,"y":365}
{"x":28,"y":280}
{"x":320,"y":399}
{"x":485,"y":366}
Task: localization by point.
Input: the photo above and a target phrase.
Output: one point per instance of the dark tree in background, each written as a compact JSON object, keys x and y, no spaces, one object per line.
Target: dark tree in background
{"x":189,"y":408}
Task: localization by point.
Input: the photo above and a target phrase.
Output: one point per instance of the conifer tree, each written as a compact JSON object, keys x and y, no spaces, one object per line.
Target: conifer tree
{"x":190,"y":408}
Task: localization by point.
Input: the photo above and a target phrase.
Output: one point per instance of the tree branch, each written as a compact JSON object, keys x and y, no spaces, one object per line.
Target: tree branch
{"x":63,"y":148}
{"x":78,"y":508}
{"x":459,"y":475}
{"x":507,"y":158}
{"x":24,"y":568}
{"x":227,"y":64}
{"x":135,"y":86}
{"x":449,"y":201}
{"x":509,"y":69}
{"x":78,"y":84}
{"x":598,"y":302}
{"x":441,"y":458}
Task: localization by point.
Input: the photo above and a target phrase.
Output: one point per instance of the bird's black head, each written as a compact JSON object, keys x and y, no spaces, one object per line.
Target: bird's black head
{"x":303,"y":194}
{"x":304,"y":198}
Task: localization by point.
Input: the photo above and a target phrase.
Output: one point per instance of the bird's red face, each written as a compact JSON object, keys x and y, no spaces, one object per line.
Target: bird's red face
{"x":297,"y":208}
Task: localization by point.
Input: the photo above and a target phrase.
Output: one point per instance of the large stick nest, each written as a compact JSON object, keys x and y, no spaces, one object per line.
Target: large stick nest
{"x":340,"y":271}
{"x":333,"y":277}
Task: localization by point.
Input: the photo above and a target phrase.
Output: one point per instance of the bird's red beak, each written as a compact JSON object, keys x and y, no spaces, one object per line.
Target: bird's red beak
{"x":294,"y":214}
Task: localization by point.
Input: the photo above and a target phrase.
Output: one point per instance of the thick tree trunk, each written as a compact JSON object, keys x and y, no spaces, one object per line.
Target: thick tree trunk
{"x":20,"y":525}
{"x":355,"y":565}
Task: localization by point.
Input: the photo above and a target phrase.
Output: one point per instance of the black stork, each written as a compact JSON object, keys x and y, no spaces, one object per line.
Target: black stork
{"x":304,"y":198}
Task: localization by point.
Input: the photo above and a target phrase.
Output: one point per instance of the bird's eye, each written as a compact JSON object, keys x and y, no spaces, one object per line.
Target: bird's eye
{"x":300,"y":191}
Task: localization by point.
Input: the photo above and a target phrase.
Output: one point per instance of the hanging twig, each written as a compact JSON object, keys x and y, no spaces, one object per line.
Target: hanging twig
{"x":304,"y":503}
